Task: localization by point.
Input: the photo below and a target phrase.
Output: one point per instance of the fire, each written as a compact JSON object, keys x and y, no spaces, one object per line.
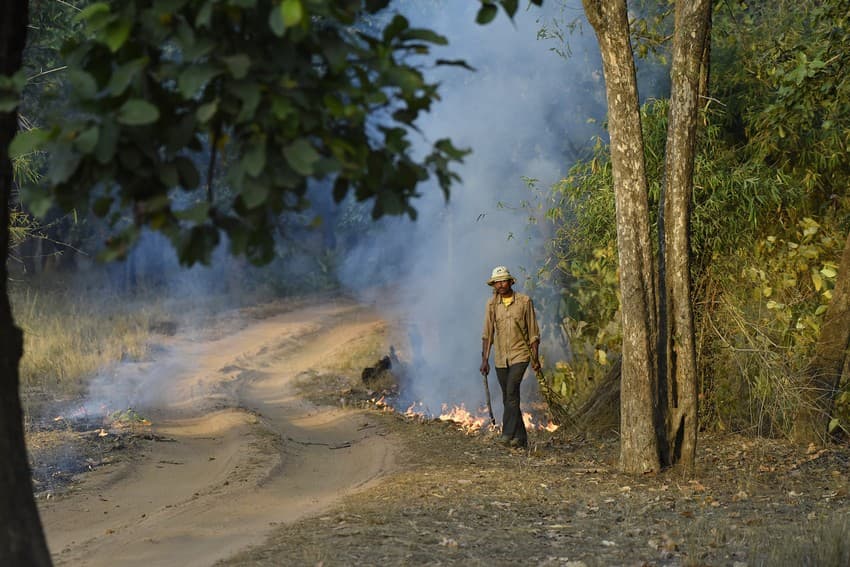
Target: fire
{"x":462,"y":416}
{"x":528,"y":419}
{"x":468,"y":421}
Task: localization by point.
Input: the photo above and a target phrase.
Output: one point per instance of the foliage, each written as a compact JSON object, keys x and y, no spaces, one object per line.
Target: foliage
{"x":289,"y":92}
{"x":761,"y":318}
{"x":759,"y":307}
{"x":783,"y":67}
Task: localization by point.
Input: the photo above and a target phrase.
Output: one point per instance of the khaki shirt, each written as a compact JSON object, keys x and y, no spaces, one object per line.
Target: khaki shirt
{"x":502,"y":321}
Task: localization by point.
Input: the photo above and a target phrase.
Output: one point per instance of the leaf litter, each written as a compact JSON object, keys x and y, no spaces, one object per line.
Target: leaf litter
{"x":461,"y":499}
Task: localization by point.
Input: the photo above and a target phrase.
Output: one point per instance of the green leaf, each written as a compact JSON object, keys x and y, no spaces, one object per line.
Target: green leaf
{"x":398,"y":24}
{"x":510,"y":6}
{"x":425,"y":35}
{"x":408,"y":80}
{"x":137,"y":112}
{"x":106,"y":142}
{"x":189,"y":176}
{"x":88,"y":12}
{"x":254,"y":194}
{"x":204,"y":17}
{"x":38,"y":203}
{"x":276,"y":22}
{"x":193,"y":78}
{"x":123,"y":75}
{"x":340,"y":189}
{"x":9,"y":101}
{"x":255,"y":158}
{"x":292,"y":12}
{"x":115,"y":35}
{"x":833,"y":424}
{"x":87,"y":140}
{"x":301,"y":156}
{"x":206,"y":111}
{"x":373,"y":6}
{"x":249,"y":93}
{"x":168,"y":175}
{"x":198,"y":245}
{"x":486,"y":13}
{"x":27,"y":141}
{"x":63,"y":163}
{"x":197,"y":213}
{"x":237,"y":65}
{"x":83,"y":85}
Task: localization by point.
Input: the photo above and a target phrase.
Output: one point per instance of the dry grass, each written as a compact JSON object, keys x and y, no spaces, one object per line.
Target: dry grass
{"x":74,"y":328}
{"x":68,"y":336}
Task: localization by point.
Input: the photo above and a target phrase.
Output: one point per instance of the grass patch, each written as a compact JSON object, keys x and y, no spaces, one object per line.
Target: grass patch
{"x":68,"y":337}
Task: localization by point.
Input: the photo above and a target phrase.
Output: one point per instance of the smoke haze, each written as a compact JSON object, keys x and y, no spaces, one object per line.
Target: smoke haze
{"x":524,"y":113}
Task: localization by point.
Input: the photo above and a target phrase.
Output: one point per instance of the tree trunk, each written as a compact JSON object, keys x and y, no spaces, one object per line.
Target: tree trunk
{"x":638,"y":411}
{"x":823,"y":374}
{"x":676,"y":325}
{"x":21,"y":536}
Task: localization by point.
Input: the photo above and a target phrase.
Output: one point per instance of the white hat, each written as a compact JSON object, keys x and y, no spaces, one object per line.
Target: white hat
{"x":500,"y":274}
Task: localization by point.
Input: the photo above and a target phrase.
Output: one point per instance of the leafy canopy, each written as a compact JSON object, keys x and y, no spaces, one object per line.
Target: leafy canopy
{"x":163,"y":93}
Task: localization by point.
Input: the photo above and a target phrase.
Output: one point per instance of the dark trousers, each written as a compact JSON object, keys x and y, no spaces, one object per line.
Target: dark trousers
{"x":510,"y":379}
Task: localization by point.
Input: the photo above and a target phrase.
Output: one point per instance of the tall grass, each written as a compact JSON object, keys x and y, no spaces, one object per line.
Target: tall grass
{"x":70,"y":334}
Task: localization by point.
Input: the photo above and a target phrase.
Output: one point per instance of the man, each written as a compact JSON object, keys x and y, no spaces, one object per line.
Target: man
{"x":511,"y":325}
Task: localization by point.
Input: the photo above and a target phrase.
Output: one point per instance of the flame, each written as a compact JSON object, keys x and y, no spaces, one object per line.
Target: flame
{"x":460,"y":415}
{"x":470,"y":422}
{"x":528,"y":419}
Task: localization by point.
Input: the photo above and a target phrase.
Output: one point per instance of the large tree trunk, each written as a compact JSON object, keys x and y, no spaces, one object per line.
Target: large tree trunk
{"x":676,"y":326}
{"x":823,"y":374}
{"x":639,"y":449}
{"x":21,"y":536}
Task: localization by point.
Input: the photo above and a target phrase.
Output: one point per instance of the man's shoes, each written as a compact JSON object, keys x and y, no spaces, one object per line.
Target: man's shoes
{"x":517,"y":444}
{"x":504,"y":440}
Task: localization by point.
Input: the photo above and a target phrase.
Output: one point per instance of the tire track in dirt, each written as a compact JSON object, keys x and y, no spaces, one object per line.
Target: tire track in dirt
{"x":248,"y":453}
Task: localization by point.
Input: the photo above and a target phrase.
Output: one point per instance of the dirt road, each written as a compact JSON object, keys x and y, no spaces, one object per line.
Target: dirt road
{"x":242,"y":452}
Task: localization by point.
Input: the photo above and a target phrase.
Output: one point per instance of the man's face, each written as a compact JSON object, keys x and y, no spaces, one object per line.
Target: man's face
{"x":503,"y":287}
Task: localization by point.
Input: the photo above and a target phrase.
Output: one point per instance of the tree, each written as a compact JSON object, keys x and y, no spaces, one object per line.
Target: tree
{"x":678,"y":372}
{"x":21,"y":537}
{"x":658,"y":383}
{"x":288,"y":92}
{"x":639,"y":449}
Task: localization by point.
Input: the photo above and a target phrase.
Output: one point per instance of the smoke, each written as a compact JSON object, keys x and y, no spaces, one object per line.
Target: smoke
{"x":525,"y":114}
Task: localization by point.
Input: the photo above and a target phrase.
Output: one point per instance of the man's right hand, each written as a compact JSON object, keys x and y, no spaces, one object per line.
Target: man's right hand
{"x":485,"y":368}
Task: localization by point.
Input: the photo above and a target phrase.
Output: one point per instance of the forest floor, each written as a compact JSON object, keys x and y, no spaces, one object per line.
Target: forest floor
{"x":263,"y":448}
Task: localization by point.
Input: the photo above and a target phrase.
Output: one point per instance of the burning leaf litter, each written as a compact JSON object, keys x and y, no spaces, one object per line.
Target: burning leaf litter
{"x":459,"y":415}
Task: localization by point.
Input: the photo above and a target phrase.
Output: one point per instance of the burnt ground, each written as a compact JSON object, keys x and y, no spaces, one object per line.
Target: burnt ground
{"x":461,"y":499}
{"x":61,"y":449}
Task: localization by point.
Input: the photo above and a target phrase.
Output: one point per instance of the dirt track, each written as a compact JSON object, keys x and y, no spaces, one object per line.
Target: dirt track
{"x":244,"y":452}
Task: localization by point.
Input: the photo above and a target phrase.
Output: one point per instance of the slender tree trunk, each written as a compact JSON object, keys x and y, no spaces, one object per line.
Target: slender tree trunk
{"x":677,"y":338}
{"x":638,"y":411}
{"x":823,"y":374}
{"x":21,"y":536}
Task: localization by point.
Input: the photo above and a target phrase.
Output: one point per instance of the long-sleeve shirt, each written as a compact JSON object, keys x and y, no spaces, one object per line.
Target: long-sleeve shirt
{"x":502,"y":326}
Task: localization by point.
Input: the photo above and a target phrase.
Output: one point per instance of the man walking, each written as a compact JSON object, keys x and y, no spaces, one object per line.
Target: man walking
{"x":511,"y":325}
